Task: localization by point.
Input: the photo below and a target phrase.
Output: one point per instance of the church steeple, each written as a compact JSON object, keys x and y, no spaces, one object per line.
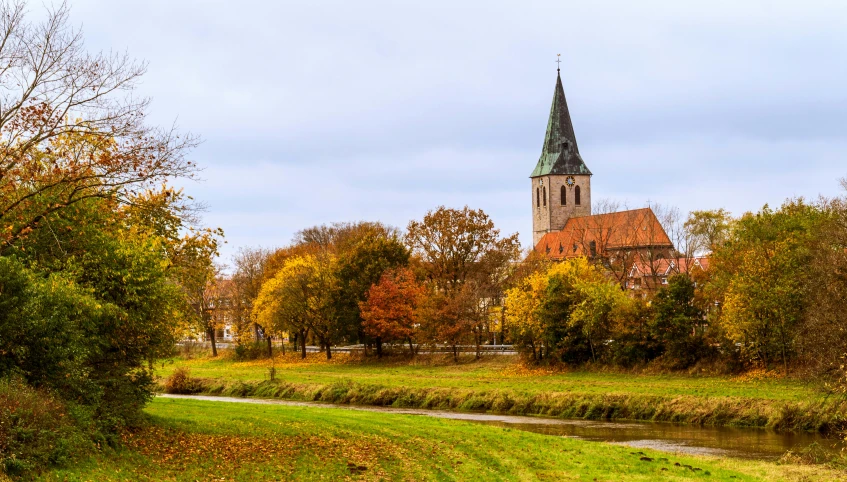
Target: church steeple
{"x":560,"y":154}
{"x":561,"y":182}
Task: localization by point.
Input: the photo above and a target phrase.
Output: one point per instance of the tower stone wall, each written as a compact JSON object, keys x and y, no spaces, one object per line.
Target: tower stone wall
{"x":554,"y":215}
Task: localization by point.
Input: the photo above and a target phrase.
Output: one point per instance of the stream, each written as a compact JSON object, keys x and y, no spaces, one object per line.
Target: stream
{"x":750,"y":443}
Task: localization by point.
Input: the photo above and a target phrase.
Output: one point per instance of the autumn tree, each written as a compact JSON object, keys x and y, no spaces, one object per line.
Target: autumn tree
{"x":466,"y":262}
{"x":298,"y":298}
{"x":523,"y":304}
{"x":823,"y":338}
{"x":95,"y":249}
{"x":361,"y":264}
{"x":567,"y":310}
{"x":708,"y":229}
{"x":389,"y":311}
{"x":761,"y":279}
{"x":248,"y":275}
{"x":72,"y":126}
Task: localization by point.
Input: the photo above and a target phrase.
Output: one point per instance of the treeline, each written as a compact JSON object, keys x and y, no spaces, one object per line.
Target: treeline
{"x":102,"y":265}
{"x":767,"y":290}
{"x":441,"y":282}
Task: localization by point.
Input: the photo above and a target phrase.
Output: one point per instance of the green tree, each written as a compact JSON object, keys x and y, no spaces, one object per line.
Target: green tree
{"x":761,"y":279}
{"x":823,"y":340}
{"x":677,"y":323}
{"x":360,"y":266}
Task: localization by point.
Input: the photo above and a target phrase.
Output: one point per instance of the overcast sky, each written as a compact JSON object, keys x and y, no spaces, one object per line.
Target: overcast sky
{"x":320,"y":111}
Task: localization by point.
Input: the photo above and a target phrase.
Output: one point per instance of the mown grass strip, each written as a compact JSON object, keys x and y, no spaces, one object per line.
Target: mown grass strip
{"x":816,"y":415}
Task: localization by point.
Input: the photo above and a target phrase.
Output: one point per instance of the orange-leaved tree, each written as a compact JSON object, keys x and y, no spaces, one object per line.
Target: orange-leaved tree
{"x":389,"y":312}
{"x":466,"y":264}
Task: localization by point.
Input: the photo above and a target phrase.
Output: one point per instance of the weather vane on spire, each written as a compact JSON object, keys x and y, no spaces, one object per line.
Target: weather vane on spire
{"x":558,"y":61}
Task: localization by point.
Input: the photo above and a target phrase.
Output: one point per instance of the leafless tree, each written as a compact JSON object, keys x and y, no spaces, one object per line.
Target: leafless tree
{"x":247,"y":281}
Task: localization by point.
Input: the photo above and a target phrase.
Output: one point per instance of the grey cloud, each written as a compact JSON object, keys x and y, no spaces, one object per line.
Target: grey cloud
{"x":321,"y":111}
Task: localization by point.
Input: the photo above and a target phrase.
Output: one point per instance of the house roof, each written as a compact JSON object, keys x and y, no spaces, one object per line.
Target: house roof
{"x":636,"y":228}
{"x":560,"y":154}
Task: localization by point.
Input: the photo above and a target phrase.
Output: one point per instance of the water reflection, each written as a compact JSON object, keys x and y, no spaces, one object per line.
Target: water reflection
{"x":693,"y":439}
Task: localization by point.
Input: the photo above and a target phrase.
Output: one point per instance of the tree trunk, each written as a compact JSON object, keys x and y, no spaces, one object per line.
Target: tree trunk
{"x":455,"y":354}
{"x":411,"y":347}
{"x":255,"y":332}
{"x":303,"y":343}
{"x":478,"y":343}
{"x":378,"y":347}
{"x":212,"y":339}
{"x":784,"y":358}
{"x":593,"y":356}
{"x":328,"y":352}
{"x":282,"y":344}
{"x":270,"y":347}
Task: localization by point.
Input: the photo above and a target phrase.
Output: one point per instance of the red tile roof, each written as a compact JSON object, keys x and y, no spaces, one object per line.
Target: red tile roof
{"x":636,"y":228}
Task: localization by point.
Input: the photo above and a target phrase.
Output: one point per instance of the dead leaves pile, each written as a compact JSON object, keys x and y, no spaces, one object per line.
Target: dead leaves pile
{"x":521,"y":369}
{"x":177,"y":451}
{"x":759,"y":374}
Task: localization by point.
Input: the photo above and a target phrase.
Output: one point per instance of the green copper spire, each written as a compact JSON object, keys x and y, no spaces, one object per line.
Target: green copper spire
{"x":560,"y":154}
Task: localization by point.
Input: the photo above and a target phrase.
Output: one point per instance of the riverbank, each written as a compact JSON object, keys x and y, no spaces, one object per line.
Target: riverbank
{"x":504,"y":385}
{"x":201,"y":440}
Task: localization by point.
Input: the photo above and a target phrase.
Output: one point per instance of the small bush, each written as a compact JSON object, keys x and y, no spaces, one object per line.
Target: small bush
{"x":36,"y":430}
{"x":180,"y":382}
{"x":251,"y":351}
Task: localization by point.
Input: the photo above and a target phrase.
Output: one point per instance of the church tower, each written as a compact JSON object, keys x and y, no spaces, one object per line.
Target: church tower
{"x":561,"y":182}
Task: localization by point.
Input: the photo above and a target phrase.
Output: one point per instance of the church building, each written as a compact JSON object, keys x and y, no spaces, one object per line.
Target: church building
{"x":563,"y":225}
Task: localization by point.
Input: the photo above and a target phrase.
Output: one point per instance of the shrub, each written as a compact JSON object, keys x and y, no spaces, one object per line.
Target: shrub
{"x":180,"y":382}
{"x":36,"y":430}
{"x":251,"y":351}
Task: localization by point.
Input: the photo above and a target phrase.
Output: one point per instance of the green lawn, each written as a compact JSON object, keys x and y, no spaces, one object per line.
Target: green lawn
{"x":500,"y":372}
{"x":196,"y":440}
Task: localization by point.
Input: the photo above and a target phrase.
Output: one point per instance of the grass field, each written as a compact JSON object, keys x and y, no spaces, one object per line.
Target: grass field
{"x":501,"y":372}
{"x":503,"y":384}
{"x":196,"y":440}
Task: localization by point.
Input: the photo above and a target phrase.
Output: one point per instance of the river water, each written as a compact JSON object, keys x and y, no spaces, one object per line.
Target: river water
{"x":667,"y":437}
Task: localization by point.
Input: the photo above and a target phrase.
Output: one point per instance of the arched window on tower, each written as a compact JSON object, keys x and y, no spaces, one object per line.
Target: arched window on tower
{"x":576,"y":197}
{"x":538,"y":197}
{"x":544,"y":195}
{"x":564,"y":195}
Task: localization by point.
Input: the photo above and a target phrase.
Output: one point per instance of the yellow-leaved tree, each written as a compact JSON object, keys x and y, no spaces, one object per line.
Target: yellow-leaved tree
{"x":523,"y":305}
{"x":567,"y":307}
{"x":299,"y":299}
